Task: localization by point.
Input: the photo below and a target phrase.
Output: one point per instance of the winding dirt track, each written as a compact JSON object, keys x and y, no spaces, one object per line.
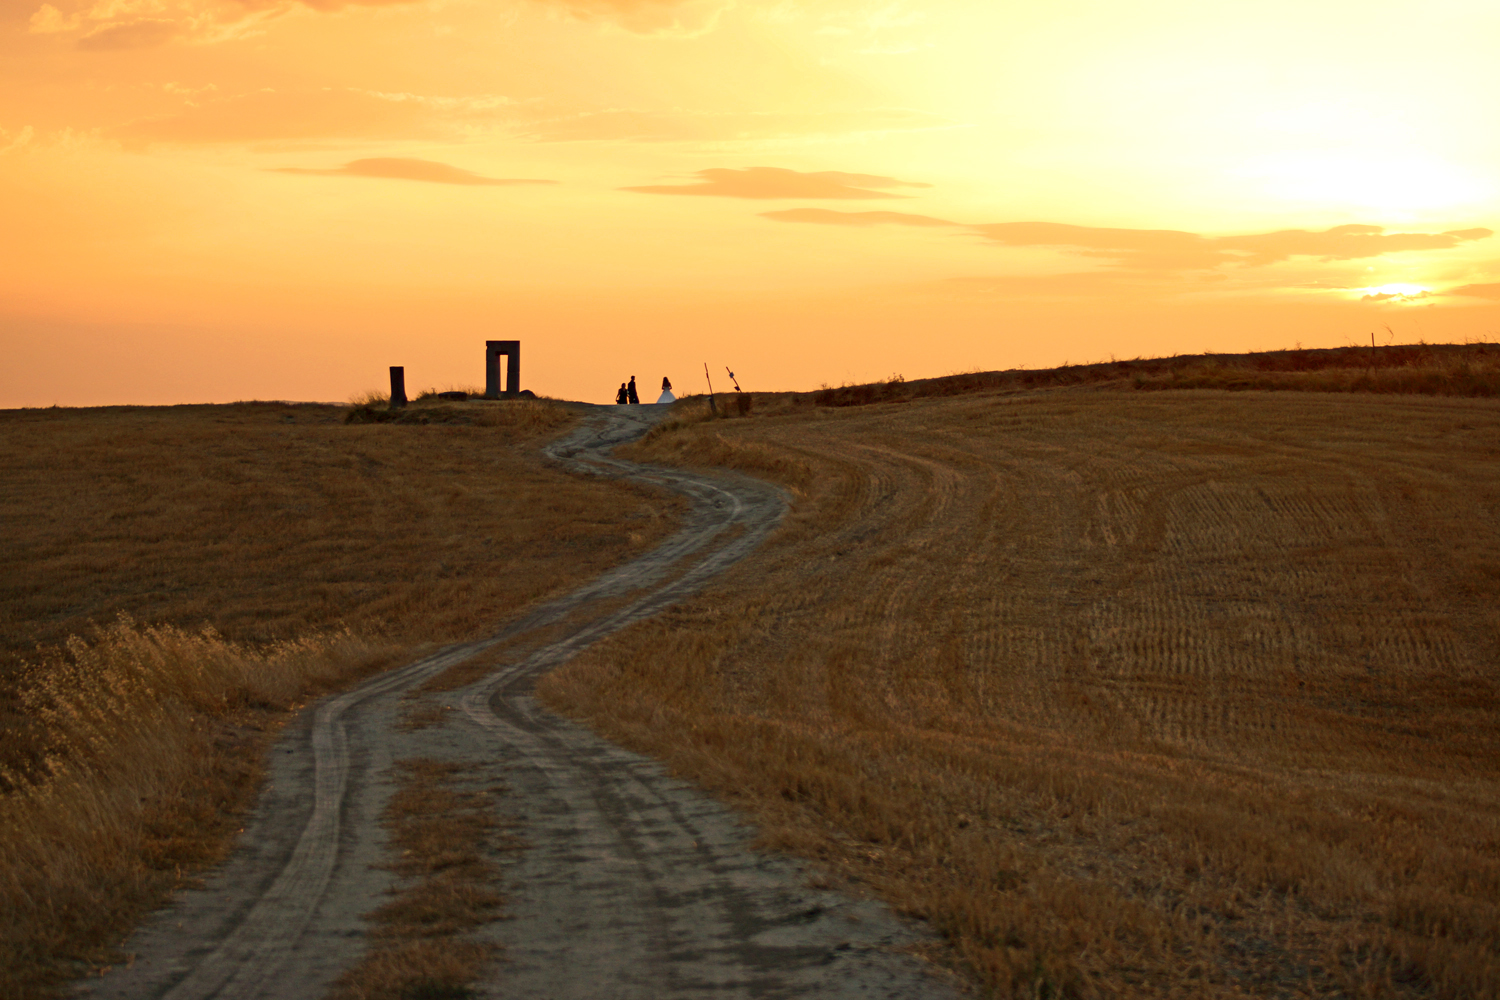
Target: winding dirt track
{"x":634,"y":885}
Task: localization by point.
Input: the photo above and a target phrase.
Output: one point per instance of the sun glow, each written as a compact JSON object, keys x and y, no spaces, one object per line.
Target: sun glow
{"x":1399,"y":292}
{"x":834,"y":188}
{"x":1399,"y":186}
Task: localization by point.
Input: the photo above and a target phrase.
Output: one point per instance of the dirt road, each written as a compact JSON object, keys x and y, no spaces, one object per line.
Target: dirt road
{"x":633,"y":885}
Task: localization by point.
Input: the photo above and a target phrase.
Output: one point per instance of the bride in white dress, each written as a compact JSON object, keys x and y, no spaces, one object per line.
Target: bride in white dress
{"x":666,"y":391}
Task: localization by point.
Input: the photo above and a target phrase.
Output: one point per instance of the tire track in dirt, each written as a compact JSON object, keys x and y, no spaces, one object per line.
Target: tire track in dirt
{"x":635,"y":884}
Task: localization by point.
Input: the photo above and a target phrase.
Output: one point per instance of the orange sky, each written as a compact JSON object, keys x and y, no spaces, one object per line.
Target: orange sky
{"x":208,"y":200}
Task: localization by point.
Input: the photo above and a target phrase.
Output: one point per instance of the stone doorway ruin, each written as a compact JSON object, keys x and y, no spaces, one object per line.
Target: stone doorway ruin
{"x":493,"y":349}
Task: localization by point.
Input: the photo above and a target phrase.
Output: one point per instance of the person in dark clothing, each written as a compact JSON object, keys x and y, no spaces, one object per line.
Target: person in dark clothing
{"x":630,"y":391}
{"x":622,"y":397}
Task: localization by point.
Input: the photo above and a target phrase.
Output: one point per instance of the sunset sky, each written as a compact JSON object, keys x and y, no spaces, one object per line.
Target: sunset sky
{"x":210,"y":200}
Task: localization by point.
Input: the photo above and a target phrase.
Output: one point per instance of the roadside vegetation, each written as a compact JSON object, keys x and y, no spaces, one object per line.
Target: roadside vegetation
{"x":1185,"y":693}
{"x":139,"y":756}
{"x":177,"y":580}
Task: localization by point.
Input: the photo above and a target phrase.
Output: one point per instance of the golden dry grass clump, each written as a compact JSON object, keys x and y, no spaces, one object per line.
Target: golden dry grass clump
{"x":278,"y":552}
{"x":1177,"y":694}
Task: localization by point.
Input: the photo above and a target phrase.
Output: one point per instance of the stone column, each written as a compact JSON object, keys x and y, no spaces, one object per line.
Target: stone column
{"x":398,"y":387}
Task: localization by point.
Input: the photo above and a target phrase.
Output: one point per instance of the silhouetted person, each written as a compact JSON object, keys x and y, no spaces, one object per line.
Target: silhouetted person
{"x":630,"y":391}
{"x":666,"y":384}
{"x":666,"y":391}
{"x":622,"y":397}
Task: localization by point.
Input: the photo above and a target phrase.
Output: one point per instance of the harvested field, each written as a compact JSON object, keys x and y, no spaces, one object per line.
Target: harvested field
{"x":1169,"y":694}
{"x":272,"y":552}
{"x":268,"y":520}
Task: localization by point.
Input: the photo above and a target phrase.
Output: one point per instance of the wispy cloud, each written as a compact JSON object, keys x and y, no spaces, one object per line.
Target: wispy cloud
{"x":406,"y":169}
{"x":140,"y":33}
{"x":733,"y":126}
{"x":828,"y":217}
{"x":777,"y":182}
{"x":1413,"y":296}
{"x":670,"y":18}
{"x":1490,"y":290}
{"x":1165,"y":249}
{"x":278,"y":114}
{"x":21,"y":139}
{"x":327,"y":113}
{"x":135,"y":24}
{"x":113,"y":25}
{"x":876,"y":29}
{"x":1149,"y":248}
{"x":1170,"y":249}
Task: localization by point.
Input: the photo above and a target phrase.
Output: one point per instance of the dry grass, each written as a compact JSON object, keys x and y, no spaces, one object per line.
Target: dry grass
{"x":1408,"y":369}
{"x":281,"y":553}
{"x":445,"y":838}
{"x":269,"y":520}
{"x":689,"y":436}
{"x":148,"y":745}
{"x":1169,"y":694}
{"x":417,"y":715}
{"x":525,"y":414}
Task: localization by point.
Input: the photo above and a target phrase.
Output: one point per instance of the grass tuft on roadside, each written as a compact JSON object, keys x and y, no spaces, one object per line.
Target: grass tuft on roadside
{"x":445,"y":839}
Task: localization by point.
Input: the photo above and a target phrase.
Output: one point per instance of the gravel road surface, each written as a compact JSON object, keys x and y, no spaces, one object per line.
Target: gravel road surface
{"x":634,"y":885}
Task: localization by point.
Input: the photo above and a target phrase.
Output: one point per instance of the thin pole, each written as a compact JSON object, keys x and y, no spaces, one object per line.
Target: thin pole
{"x":712,"y":408}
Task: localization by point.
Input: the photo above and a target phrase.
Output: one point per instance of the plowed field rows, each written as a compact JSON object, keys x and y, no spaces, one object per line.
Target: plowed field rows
{"x":1188,"y":694}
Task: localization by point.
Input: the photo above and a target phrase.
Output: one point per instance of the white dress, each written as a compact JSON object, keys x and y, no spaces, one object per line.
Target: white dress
{"x":666,"y":397}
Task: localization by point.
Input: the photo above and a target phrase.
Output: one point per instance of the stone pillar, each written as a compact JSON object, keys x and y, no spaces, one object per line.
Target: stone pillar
{"x":398,"y":387}
{"x":492,"y":351}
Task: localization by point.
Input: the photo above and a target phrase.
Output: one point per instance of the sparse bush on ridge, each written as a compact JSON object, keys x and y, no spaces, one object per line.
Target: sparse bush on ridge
{"x":432,"y":392}
{"x":369,"y":398}
{"x":530,"y":415}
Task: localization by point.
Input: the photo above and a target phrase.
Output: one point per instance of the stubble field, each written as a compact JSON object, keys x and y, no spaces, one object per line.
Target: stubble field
{"x":1169,"y":694}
